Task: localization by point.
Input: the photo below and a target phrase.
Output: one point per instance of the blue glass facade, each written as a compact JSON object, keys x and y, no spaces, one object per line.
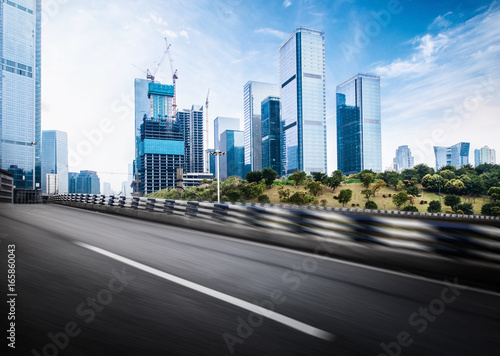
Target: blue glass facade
{"x":20,"y":95}
{"x":403,"y":159}
{"x":271,"y":135}
{"x":303,"y":103}
{"x":253,"y":94}
{"x":233,"y":162}
{"x":359,"y":138}
{"x":55,"y":158}
{"x":456,"y":155}
{"x":87,"y":182}
{"x":222,"y":124}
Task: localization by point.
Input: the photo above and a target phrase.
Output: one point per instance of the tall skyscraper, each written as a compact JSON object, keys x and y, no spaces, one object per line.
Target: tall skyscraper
{"x":253,"y":94}
{"x":456,"y":155}
{"x":359,"y":141}
{"x":485,"y":155}
{"x":232,"y":163}
{"x":88,"y":182}
{"x":303,"y":109}
{"x":20,"y":91}
{"x":55,"y":158}
{"x":271,"y":134}
{"x":403,"y":159}
{"x":191,"y":122}
{"x":222,"y":124}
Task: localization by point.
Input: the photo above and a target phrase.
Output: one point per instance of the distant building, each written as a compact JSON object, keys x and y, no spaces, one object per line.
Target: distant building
{"x":106,"y":188}
{"x":55,"y":160}
{"x":212,"y":161}
{"x":20,"y":92}
{"x":485,"y":155}
{"x":195,"y":179}
{"x":191,"y":121}
{"x":253,"y":94}
{"x":222,"y":124}
{"x":72,"y":177}
{"x":303,"y":106}
{"x":87,"y":182}
{"x":271,"y":135}
{"x":456,"y":155}
{"x":233,"y":162}
{"x":403,"y":159}
{"x":359,"y":142}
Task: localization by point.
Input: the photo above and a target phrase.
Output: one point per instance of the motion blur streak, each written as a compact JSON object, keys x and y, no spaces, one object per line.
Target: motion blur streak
{"x":367,"y":309}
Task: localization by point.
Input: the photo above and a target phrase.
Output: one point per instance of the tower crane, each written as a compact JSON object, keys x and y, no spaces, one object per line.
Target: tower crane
{"x":205,"y":134}
{"x":174,"y":77}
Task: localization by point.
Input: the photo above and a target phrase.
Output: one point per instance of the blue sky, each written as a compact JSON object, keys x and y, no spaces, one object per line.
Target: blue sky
{"x":439,"y":63}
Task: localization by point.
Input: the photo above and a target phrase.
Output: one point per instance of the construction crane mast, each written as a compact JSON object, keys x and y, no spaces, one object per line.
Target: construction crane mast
{"x":174,"y":77}
{"x":205,"y":136}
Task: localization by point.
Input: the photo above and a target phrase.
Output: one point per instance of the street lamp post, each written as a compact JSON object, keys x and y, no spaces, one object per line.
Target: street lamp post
{"x":218,"y":153}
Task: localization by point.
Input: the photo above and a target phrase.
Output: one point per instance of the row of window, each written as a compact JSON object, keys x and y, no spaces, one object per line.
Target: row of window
{"x":22,"y":8}
{"x":17,"y":71}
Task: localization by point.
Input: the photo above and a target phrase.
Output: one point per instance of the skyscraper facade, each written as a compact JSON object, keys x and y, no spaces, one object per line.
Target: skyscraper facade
{"x":20,"y":91}
{"x":253,"y":94}
{"x":87,"y":182}
{"x":233,"y":162}
{"x":359,"y":139}
{"x":55,"y":159}
{"x":456,"y":155}
{"x":303,"y":109}
{"x":222,"y":124}
{"x":485,"y":155}
{"x":403,"y":159}
{"x":271,"y":134}
{"x":191,"y":122}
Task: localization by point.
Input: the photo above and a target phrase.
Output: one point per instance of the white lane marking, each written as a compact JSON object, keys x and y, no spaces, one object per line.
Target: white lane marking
{"x":332,"y":259}
{"x":310,"y":330}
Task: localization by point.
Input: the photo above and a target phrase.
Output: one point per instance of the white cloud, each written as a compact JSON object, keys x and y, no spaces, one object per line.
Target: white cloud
{"x":287,"y":3}
{"x":440,"y":22}
{"x":158,"y":20}
{"x":169,"y":33}
{"x":184,"y":34}
{"x":269,"y":31}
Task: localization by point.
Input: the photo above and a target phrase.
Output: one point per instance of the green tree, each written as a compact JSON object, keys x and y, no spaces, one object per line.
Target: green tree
{"x":431,"y":182}
{"x":410,"y":208}
{"x":367,"y":179}
{"x":370,"y":204}
{"x":447,"y":174}
{"x":448,"y":167}
{"x":269,"y":176}
{"x":314,"y":188}
{"x":434,"y":207}
{"x":422,"y":170}
{"x":494,"y":193}
{"x":408,"y":174}
{"x":390,"y":177}
{"x":284,"y":193}
{"x":300,"y":198}
{"x":254,"y":176}
{"x":474,"y":185}
{"x":378,"y":185}
{"x":367,"y":193}
{"x":263,"y":198}
{"x":466,"y":208}
{"x":452,"y":201}
{"x":345,"y":196}
{"x":455,"y":186}
{"x":400,"y":199}
{"x":400,"y":186}
{"x":334,"y":180}
{"x":319,"y":176}
{"x":298,"y":177}
{"x":490,"y":209}
{"x":413,"y":191}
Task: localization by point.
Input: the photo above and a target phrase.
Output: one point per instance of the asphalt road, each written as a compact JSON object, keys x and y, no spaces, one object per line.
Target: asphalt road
{"x":88,"y":283}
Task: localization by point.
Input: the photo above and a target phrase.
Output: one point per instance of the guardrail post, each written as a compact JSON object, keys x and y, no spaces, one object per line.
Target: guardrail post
{"x":135,"y":202}
{"x":150,"y":204}
{"x":168,"y":206}
{"x":192,"y":208}
{"x":122,"y":200}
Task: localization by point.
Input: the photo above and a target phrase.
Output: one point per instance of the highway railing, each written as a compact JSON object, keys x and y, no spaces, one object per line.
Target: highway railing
{"x":474,"y":241}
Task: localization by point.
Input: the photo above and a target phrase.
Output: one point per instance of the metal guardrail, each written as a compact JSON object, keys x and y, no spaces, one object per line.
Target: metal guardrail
{"x":444,"y":238}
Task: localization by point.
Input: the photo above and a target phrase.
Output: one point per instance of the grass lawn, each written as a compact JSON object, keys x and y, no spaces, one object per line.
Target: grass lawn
{"x":382,"y":203}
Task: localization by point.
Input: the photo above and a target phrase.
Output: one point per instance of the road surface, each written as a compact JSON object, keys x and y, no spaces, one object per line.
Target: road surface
{"x":88,"y":283}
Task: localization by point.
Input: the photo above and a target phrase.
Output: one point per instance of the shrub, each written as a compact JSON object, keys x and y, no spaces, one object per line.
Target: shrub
{"x":300,"y":198}
{"x":335,"y":197}
{"x":345,"y":196}
{"x":413,"y":190}
{"x":384,"y":196}
{"x":465,"y":208}
{"x":410,"y":208}
{"x":371,"y":205}
{"x":323,"y":202}
{"x":491,"y":209}
{"x":263,"y":198}
{"x":434,"y":207}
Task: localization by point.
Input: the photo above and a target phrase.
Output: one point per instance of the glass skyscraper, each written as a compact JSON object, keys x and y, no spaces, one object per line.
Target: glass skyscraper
{"x":232,"y":163}
{"x":485,"y":155}
{"x":55,"y":158}
{"x":456,"y":155}
{"x":191,"y":122}
{"x":303,"y":109}
{"x":271,"y":134}
{"x":359,"y":141}
{"x":253,"y":94}
{"x":222,"y":124}
{"x":403,"y":159}
{"x":20,"y":91}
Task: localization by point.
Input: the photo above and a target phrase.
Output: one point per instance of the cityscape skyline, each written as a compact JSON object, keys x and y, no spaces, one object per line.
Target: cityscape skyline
{"x":417,"y":56}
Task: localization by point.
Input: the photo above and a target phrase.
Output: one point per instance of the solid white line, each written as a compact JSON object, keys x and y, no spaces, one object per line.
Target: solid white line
{"x":310,"y":330}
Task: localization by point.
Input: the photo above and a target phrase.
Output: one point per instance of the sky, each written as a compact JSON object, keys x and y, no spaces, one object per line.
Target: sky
{"x":439,"y":64}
